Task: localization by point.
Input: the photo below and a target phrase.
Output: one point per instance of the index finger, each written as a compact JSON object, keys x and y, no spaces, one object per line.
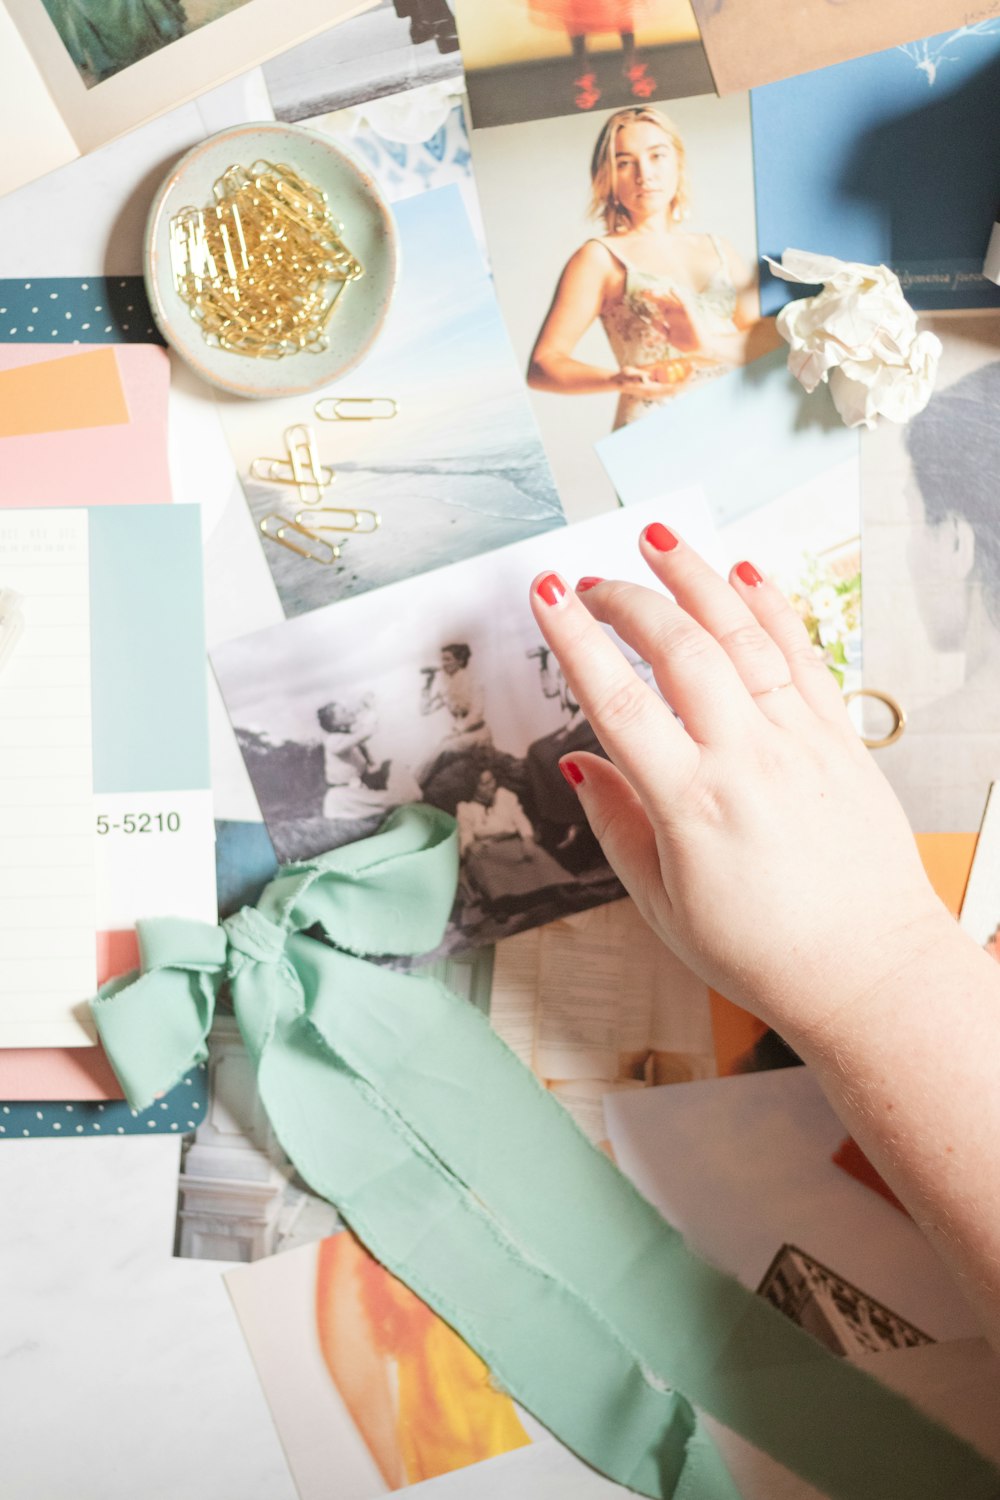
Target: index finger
{"x":635,"y":726}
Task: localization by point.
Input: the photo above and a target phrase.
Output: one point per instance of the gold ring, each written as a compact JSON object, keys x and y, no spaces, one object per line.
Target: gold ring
{"x":896,"y":709}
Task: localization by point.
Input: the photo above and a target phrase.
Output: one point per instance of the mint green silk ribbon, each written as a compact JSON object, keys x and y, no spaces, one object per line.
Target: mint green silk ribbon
{"x":398,"y":1103}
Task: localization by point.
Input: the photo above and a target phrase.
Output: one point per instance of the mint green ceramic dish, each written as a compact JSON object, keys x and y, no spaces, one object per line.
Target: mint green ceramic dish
{"x":369,"y":231}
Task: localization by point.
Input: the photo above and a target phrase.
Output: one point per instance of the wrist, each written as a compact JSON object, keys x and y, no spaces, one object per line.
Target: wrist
{"x":905,"y":979}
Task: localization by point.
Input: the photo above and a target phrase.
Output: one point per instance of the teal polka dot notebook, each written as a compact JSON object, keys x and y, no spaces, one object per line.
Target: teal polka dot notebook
{"x":65,"y":310}
{"x":178,"y":1113}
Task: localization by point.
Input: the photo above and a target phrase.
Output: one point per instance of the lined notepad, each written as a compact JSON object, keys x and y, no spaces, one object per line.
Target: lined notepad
{"x":47,"y":827}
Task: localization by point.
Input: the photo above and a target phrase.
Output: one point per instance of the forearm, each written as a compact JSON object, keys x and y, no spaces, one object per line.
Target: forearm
{"x":711,"y":806}
{"x":911,"y":1068}
{"x":569,"y":377}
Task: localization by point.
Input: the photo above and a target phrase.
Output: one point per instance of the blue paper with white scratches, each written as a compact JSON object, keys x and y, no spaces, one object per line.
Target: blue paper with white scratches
{"x":179,"y":1112}
{"x":69,"y":310}
{"x":891,"y":158}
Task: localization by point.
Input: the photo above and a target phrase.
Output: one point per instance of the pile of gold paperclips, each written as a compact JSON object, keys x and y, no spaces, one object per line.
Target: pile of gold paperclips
{"x":302,"y":469}
{"x":262,"y":267}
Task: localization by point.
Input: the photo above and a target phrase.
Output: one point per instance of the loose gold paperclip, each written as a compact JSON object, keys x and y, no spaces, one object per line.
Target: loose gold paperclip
{"x":361,"y":521}
{"x":283,"y":524}
{"x":302,"y":467}
{"x":379,"y":408}
{"x":896,"y":709}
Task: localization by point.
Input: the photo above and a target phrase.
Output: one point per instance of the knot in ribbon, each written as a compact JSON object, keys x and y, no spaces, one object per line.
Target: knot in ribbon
{"x":469,"y":1181}
{"x":389,"y":894}
{"x":253,"y":936}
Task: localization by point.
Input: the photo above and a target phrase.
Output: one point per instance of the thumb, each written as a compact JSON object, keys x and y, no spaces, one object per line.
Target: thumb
{"x":619,"y":824}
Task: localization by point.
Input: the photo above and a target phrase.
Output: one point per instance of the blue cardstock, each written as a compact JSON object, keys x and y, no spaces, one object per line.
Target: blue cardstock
{"x":893,"y":158}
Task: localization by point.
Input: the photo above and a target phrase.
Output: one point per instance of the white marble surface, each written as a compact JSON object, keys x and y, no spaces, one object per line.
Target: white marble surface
{"x":123,"y":1372}
{"x":88,"y":218}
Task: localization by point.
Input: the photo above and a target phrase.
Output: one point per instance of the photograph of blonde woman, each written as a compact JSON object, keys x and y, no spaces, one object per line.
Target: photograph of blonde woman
{"x":623,"y":244}
{"x":678,"y":304}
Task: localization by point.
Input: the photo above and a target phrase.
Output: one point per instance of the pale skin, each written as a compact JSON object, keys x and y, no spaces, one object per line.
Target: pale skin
{"x":647,"y":177}
{"x":762,"y":843}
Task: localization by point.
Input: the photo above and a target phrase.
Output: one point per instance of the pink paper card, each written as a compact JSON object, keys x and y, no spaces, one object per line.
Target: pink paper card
{"x":40,"y":1073}
{"x":123,"y":463}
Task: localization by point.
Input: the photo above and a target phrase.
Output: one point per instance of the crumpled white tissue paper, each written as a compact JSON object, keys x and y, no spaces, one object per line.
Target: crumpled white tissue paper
{"x":413,"y":116}
{"x":859,"y":334}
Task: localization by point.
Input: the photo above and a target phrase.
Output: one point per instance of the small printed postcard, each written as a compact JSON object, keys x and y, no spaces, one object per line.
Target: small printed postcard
{"x":609,"y":325}
{"x":395,"y":47}
{"x":750,"y":1175}
{"x":83,"y":426}
{"x":412,"y":143}
{"x":155,"y":830}
{"x":364,"y":1381}
{"x":594,"y":1003}
{"x":746,"y":47}
{"x":532,"y":59}
{"x":73,"y":77}
{"x":239,"y":1197}
{"x":831,"y":148}
{"x":439,"y":689}
{"x":932,"y":584}
{"x":48,"y":874}
{"x":781,"y":475}
{"x":137,"y":700}
{"x":457,"y":471}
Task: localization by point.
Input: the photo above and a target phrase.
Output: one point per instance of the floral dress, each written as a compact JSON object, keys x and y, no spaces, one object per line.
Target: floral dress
{"x":638,"y":329}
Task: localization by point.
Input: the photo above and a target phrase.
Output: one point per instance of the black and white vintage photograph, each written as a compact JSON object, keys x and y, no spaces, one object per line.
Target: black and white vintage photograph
{"x":438,"y":689}
{"x":839,"y":1314}
{"x":932,"y":583}
{"x":395,"y":46}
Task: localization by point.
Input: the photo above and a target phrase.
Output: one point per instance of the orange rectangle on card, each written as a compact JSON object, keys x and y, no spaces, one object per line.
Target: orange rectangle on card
{"x":60,"y":395}
{"x":948,"y":860}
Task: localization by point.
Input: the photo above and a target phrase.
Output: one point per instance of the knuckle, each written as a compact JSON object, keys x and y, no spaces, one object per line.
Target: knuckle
{"x":680,"y":639}
{"x":624,"y":706}
{"x":746,"y":640}
{"x":801,"y":654}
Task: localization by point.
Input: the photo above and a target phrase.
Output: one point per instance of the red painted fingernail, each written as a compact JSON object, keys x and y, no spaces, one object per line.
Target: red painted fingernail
{"x":587,"y":583}
{"x":550,"y":589}
{"x":747,"y":573}
{"x":571,"y":771}
{"x":659,"y":537}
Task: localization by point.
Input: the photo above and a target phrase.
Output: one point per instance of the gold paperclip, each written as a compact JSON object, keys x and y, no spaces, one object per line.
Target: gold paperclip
{"x":379,"y":408}
{"x":282,"y":524}
{"x":279,"y":471}
{"x":361,"y":521}
{"x":302,"y":467}
{"x":896,"y":709}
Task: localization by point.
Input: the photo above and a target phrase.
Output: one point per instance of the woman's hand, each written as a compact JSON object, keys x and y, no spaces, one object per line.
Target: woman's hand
{"x":652,"y":382}
{"x":753,"y":830}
